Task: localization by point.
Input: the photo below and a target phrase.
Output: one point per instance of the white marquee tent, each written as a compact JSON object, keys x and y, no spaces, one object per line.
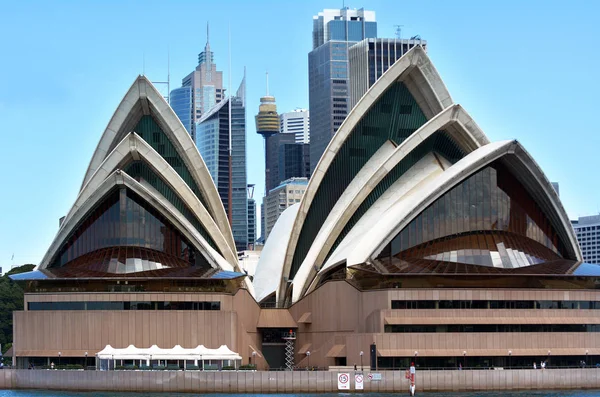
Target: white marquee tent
{"x":223,"y":355}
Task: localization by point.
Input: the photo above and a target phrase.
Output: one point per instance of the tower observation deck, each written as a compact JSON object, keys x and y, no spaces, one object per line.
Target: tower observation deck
{"x":267,"y":119}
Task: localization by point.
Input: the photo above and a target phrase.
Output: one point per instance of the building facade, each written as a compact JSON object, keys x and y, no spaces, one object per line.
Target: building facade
{"x":294,"y":161}
{"x":229,"y":175}
{"x":252,"y":237}
{"x":370,"y":58}
{"x":416,"y":239}
{"x":296,"y":122}
{"x":587,"y":229}
{"x":288,"y":193}
{"x":334,"y":31}
{"x":200,"y":90}
{"x":181,"y":100}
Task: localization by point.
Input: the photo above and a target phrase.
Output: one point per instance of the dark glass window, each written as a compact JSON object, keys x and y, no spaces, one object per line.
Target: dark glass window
{"x":439,"y":143}
{"x":140,"y":171}
{"x":347,"y":163}
{"x":125,"y":219}
{"x":516,"y":232}
{"x":133,"y":305}
{"x":151,"y":132}
{"x":493,"y":304}
{"x":491,"y":328}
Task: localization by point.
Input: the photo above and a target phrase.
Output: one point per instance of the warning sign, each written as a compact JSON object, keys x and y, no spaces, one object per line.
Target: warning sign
{"x":358,"y":381}
{"x":343,"y":381}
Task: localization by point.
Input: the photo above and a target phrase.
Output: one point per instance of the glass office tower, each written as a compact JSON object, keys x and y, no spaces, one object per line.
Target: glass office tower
{"x":212,"y":140}
{"x":181,"y":102}
{"x":200,"y":90}
{"x":334,"y":31}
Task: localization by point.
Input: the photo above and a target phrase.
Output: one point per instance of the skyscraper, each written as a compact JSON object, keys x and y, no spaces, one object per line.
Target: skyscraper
{"x":334,"y":31}
{"x":229,"y":175}
{"x":296,"y":122}
{"x":251,"y":217}
{"x":370,"y":58}
{"x":200,"y":90}
{"x":181,"y":102}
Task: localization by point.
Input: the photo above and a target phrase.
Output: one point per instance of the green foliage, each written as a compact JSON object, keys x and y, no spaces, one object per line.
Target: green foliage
{"x":11,"y":298}
{"x":228,"y":368}
{"x":248,"y":367}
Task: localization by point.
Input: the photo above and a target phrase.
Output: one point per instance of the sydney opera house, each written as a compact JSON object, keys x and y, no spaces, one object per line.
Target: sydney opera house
{"x":417,"y":238}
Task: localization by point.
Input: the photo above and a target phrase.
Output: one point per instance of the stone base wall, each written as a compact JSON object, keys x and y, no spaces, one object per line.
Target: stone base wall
{"x":295,"y":382}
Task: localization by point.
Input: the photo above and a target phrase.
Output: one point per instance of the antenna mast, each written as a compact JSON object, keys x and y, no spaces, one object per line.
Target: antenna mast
{"x":230,"y":194}
{"x":398,"y":31}
{"x":267,"y":83}
{"x":168,"y":82}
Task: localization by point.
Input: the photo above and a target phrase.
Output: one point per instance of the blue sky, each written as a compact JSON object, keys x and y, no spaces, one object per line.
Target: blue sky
{"x":523,"y":69}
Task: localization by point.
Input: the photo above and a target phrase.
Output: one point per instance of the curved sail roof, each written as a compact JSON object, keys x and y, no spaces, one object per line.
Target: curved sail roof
{"x":146,"y":153}
{"x":406,"y":96}
{"x":402,"y":148}
{"x":144,"y":107}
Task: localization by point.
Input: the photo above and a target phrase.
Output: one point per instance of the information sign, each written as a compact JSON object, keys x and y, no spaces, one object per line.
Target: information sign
{"x":358,"y":381}
{"x":343,"y":381}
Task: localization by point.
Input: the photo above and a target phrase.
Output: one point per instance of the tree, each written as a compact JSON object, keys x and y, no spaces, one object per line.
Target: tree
{"x":11,"y":298}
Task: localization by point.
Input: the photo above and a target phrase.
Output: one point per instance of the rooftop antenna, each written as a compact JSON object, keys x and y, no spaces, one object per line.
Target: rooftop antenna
{"x":230,"y":194}
{"x":144,"y":63}
{"x":398,"y":31}
{"x":267,"y":83}
{"x":168,"y":82}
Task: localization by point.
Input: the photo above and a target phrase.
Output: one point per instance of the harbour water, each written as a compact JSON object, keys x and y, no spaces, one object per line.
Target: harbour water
{"x":529,"y":393}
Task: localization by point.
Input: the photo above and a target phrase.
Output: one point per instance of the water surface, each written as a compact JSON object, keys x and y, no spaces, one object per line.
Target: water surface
{"x":527,"y":393}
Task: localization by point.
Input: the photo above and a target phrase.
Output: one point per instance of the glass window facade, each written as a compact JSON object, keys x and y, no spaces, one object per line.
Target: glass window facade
{"x":492,"y":328}
{"x":134,"y":305}
{"x":213,"y":143}
{"x":381,"y":123}
{"x":439,"y":143}
{"x":181,"y":102}
{"x":488,"y":219}
{"x":351,"y":30}
{"x":493,"y":304}
{"x":141,"y":172}
{"x":151,"y":132}
{"x":125,"y":219}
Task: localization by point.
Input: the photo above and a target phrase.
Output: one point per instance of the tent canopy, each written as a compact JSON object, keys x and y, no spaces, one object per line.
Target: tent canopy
{"x":176,"y":353}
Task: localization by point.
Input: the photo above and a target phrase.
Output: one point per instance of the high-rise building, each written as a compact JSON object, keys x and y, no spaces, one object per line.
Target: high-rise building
{"x":288,"y":193}
{"x":556,"y":187}
{"x":251,"y":217}
{"x":370,"y":58}
{"x":262,"y":237}
{"x":334,"y":31}
{"x":296,"y":122}
{"x":181,"y":102}
{"x":229,"y":175}
{"x":587,"y":229}
{"x":200,"y":90}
